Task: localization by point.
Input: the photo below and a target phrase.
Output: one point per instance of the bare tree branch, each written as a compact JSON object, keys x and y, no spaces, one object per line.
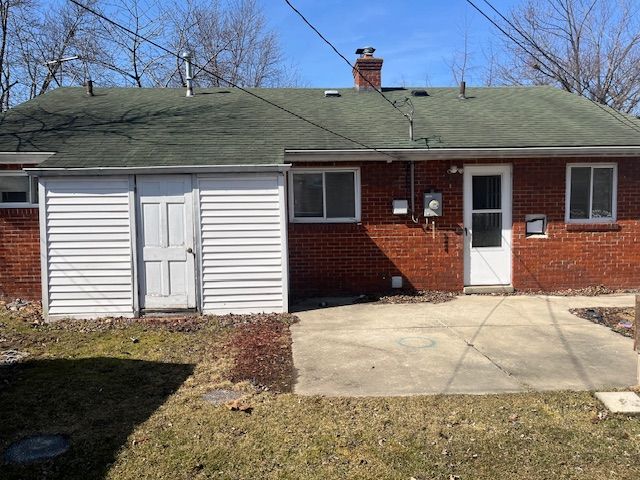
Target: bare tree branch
{"x":590,"y":47}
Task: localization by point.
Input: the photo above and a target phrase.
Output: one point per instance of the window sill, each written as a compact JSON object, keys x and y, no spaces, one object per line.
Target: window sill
{"x":592,"y":227}
{"x":18,"y":205}
{"x":324,"y":221}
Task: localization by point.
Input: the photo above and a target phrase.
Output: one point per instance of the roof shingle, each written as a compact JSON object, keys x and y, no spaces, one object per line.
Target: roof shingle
{"x":130,"y":127}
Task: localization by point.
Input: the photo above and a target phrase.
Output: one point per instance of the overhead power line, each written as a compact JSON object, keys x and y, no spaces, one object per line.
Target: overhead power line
{"x":618,"y":116}
{"x":232,"y":84}
{"x":346,"y":60}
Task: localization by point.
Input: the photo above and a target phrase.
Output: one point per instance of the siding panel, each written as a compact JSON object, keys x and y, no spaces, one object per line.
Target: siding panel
{"x":242,"y":245}
{"x":89,"y":268}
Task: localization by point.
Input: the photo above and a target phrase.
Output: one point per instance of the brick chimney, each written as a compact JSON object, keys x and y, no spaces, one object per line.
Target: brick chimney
{"x":367,"y":68}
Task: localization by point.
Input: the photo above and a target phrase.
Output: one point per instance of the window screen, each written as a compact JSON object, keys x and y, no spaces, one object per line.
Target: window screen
{"x":14,"y":189}
{"x":324,"y":196}
{"x":487,"y":192}
{"x":580,"y":185}
{"x":487,"y":229}
{"x":602,"y":204}
{"x":341,"y":199}
{"x":591,"y":194}
{"x":308,"y":195}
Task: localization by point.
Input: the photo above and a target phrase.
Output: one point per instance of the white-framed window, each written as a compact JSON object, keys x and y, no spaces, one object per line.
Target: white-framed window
{"x":17,"y":189}
{"x":325,"y":195}
{"x":592,"y":190}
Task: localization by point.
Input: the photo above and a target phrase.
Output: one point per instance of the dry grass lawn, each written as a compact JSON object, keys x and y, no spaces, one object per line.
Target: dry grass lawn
{"x":130,"y":398}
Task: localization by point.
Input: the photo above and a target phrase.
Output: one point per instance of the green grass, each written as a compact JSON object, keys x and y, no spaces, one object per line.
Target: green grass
{"x":134,"y":410}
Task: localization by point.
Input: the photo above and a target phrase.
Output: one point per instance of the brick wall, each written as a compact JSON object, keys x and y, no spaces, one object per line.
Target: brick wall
{"x":19,"y":252}
{"x":573,"y":255}
{"x":330,"y":259}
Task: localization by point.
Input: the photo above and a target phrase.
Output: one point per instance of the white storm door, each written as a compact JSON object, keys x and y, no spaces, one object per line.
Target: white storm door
{"x":166,"y":239}
{"x":487,"y":225}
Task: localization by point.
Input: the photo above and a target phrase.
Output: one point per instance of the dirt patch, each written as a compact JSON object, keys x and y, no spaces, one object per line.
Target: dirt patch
{"x":170,"y":323}
{"x":592,"y":291}
{"x":620,"y":320}
{"x":184,"y":324}
{"x":263,"y":352}
{"x":428,"y":296}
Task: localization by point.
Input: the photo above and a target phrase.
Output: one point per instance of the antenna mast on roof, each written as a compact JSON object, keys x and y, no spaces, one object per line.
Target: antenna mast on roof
{"x":55,"y":64}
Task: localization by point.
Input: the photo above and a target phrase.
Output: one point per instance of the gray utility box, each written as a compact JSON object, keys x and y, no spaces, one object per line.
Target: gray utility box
{"x":433,"y":204}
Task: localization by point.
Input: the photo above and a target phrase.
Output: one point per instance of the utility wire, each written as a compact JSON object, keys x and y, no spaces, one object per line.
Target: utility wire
{"x":229,"y":82}
{"x":618,"y":116}
{"x":333,"y":47}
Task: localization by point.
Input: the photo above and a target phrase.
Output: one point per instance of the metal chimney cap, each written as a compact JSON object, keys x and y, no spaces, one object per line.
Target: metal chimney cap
{"x":368,"y":51}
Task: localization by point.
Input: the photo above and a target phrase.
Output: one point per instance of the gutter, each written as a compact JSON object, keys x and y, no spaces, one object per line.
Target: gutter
{"x":100,"y":171}
{"x":424,"y":154}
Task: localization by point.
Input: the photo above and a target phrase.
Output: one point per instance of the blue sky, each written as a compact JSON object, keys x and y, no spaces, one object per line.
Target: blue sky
{"x":416,"y":38}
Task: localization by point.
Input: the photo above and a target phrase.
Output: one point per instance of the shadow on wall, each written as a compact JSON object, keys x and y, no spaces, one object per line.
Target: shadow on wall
{"x":96,"y":402}
{"x":352,"y":259}
{"x":362,"y":259}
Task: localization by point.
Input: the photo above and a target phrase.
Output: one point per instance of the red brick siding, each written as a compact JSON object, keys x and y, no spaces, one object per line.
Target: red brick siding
{"x":330,"y":259}
{"x":19,"y":251}
{"x":571,"y":258}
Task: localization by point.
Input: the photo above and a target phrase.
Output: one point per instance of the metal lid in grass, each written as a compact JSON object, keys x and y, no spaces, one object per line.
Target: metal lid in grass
{"x":36,"y":448}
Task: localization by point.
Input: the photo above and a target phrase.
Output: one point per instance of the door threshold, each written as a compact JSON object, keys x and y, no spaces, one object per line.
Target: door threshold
{"x":167,"y":312}
{"x":484,"y":289}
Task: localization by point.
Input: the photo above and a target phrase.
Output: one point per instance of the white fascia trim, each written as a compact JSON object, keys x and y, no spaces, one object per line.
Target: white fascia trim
{"x":31,"y":158}
{"x":159,"y":170}
{"x":424,"y":154}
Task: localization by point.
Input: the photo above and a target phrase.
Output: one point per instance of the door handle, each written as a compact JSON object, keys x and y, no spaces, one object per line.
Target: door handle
{"x":466,"y":232}
{"x":189,"y":250}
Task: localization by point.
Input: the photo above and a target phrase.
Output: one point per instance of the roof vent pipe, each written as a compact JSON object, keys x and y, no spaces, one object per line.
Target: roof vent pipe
{"x":186,"y":55}
{"x":89,"y":87}
{"x":463,"y":90}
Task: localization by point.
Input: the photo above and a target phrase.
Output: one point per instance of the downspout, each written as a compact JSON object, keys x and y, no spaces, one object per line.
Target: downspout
{"x":412,"y":169}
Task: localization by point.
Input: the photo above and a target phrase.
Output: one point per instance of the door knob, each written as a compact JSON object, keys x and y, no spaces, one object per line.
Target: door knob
{"x":189,"y":250}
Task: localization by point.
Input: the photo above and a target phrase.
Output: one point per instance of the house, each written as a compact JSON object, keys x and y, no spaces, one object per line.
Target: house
{"x":142,"y":199}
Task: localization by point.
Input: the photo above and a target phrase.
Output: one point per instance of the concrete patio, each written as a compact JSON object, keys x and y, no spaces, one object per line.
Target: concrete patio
{"x":473,"y":345}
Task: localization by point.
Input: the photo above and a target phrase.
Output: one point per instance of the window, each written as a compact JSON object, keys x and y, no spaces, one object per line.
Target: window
{"x":591,"y":193}
{"x":17,"y":189}
{"x":324,"y":195}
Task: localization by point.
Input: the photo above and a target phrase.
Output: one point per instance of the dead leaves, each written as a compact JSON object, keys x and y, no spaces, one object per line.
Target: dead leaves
{"x":263,"y":355}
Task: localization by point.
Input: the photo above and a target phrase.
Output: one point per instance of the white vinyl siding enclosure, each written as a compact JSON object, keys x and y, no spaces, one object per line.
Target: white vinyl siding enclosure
{"x":90,"y":244}
{"x":86,"y":232}
{"x":243,"y":244}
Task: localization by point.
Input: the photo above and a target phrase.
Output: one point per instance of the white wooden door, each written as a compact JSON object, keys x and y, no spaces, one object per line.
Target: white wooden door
{"x":166,"y":242}
{"x":487,"y":225}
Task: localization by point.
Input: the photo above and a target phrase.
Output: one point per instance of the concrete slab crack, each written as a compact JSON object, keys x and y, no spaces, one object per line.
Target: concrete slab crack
{"x":524,"y":385}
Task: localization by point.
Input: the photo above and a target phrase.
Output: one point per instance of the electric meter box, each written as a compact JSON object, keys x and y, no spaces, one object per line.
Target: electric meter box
{"x":432,"y":204}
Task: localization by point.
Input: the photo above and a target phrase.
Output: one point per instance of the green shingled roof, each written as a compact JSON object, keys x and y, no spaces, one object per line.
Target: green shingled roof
{"x":130,"y":127}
